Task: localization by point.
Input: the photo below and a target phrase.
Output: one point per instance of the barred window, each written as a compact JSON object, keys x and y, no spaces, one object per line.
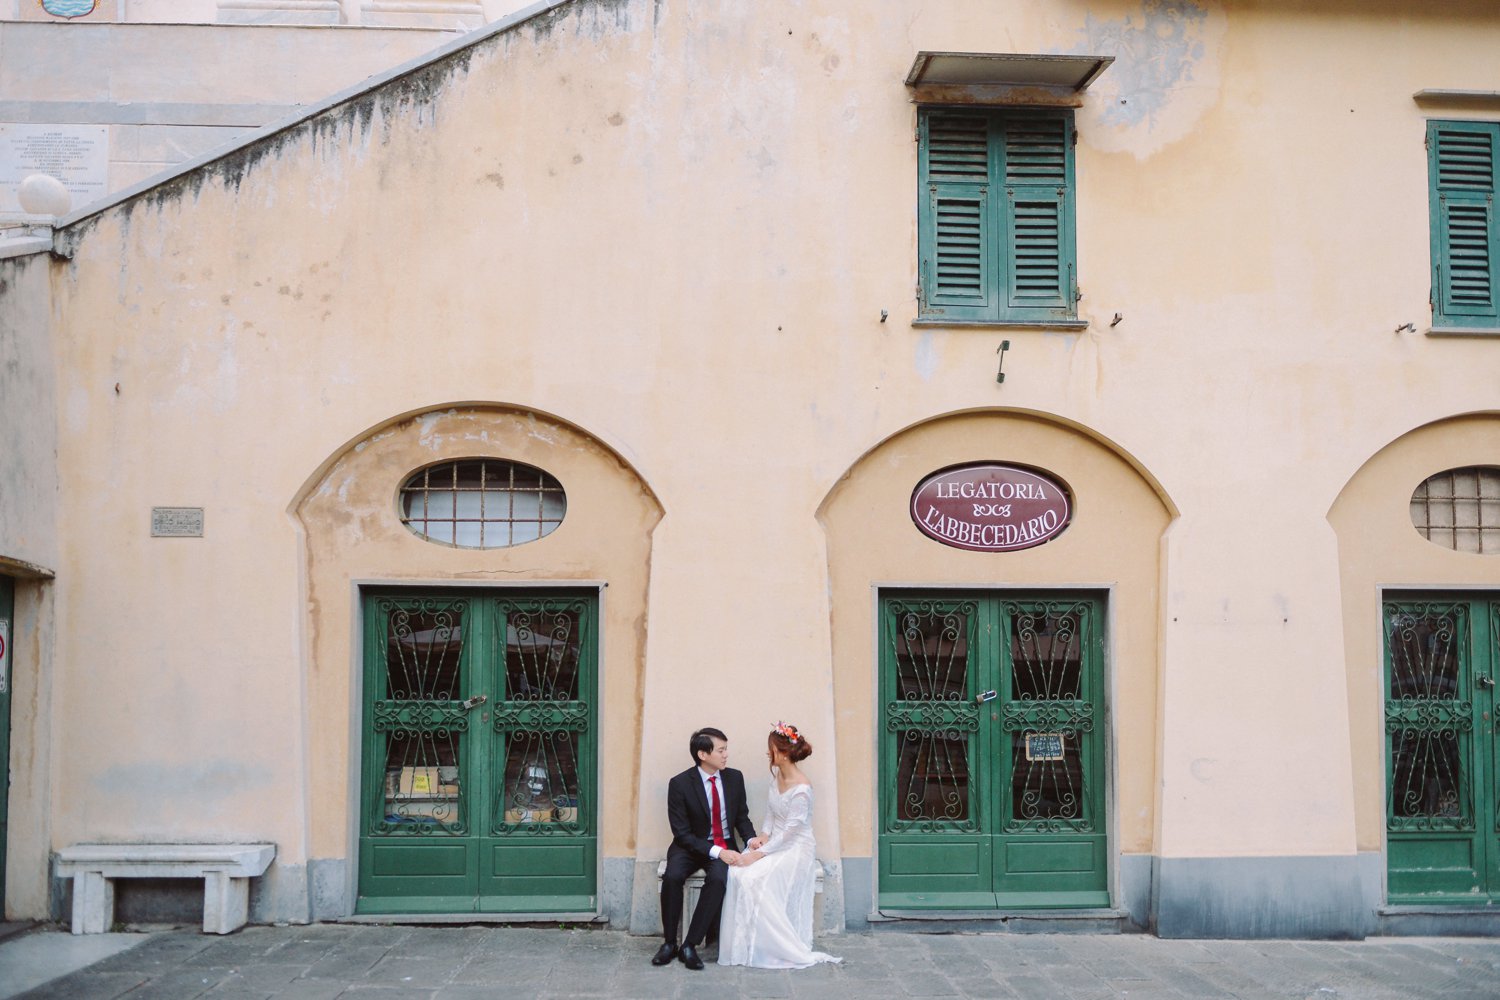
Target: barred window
{"x":482,"y":503}
{"x":1460,"y":509}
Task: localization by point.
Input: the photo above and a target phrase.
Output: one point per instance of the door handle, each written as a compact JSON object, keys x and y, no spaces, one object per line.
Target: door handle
{"x":478,"y":699}
{"x":1484,"y":681}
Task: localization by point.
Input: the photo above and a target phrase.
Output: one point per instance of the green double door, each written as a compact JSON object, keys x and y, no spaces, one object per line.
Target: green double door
{"x":992,"y":751}
{"x":479,"y":752}
{"x":1442,"y":758}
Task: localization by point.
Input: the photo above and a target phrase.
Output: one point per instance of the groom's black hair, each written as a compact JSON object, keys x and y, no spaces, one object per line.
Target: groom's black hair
{"x":703,"y":742}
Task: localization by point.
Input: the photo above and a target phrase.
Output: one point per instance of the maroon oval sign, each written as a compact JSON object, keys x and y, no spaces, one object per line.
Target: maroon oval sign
{"x":987,"y":507}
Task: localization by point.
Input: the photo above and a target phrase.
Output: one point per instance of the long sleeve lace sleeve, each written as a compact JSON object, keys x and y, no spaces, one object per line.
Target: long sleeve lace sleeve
{"x":798,"y":819}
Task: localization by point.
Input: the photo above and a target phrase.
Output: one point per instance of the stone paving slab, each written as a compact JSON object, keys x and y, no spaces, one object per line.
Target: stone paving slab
{"x":381,"y":962}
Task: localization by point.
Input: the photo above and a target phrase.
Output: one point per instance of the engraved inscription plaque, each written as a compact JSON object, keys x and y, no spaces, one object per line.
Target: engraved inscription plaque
{"x":176,"y":522}
{"x":77,"y":155}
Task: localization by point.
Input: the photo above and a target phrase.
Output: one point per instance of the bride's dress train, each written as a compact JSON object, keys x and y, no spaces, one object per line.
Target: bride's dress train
{"x":768,"y":906}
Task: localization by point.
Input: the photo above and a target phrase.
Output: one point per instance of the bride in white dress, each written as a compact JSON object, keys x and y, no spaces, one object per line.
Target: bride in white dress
{"x":768,"y":905}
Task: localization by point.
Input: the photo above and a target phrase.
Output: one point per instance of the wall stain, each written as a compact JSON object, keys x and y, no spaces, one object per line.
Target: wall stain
{"x":1164,"y":77}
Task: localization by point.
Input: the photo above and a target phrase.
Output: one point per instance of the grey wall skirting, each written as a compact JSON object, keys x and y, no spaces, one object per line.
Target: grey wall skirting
{"x":1299,"y":897}
{"x":859,"y":903}
{"x":328,"y":888}
{"x":1135,"y":890}
{"x":1302,"y":897}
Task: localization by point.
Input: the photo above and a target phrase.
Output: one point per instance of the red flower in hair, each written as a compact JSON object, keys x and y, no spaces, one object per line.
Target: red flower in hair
{"x":789,"y":731}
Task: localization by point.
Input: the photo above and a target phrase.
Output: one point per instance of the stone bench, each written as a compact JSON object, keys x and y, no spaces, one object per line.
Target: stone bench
{"x":694,"y":885}
{"x":226,"y":871}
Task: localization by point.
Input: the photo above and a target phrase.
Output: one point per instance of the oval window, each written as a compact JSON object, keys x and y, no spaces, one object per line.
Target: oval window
{"x":1460,"y":509}
{"x":482,"y":503}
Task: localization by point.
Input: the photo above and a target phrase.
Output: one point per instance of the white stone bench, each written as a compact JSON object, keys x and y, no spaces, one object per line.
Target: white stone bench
{"x":226,"y":871}
{"x":694,"y":885}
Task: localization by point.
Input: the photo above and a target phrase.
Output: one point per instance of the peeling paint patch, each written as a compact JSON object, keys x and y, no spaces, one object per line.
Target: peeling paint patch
{"x":1165,"y":74}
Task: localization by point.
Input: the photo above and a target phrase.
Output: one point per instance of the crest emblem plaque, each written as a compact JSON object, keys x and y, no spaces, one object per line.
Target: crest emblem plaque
{"x":69,"y":8}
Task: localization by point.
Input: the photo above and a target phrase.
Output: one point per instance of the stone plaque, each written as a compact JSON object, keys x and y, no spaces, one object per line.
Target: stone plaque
{"x":176,"y":522}
{"x":77,"y":155}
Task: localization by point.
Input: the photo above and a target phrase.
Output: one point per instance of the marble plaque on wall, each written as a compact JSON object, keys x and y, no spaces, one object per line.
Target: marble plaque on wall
{"x":77,"y":155}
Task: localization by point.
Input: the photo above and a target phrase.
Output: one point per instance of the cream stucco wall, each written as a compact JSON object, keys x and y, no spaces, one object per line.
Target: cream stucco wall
{"x":676,"y":226}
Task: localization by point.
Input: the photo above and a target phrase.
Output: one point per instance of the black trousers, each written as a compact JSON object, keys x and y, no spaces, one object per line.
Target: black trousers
{"x":681,"y":864}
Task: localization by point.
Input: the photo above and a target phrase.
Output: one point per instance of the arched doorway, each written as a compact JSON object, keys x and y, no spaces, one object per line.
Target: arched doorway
{"x":1419,"y":559}
{"x":470,"y":694}
{"x":999,"y":707}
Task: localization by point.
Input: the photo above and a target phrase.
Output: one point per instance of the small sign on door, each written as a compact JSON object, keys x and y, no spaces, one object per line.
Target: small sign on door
{"x":1044,"y":746}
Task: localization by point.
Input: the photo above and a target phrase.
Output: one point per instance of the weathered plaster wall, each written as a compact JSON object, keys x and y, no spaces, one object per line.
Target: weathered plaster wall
{"x":29,"y":553}
{"x":28,"y":423}
{"x":676,"y":225}
{"x":170,"y":92}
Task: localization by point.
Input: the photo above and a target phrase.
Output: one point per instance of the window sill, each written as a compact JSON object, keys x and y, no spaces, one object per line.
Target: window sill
{"x":1464,"y":331}
{"x":1007,"y":324}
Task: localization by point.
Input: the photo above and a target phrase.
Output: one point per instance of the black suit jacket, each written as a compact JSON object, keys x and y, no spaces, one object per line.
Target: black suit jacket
{"x":688,"y":812}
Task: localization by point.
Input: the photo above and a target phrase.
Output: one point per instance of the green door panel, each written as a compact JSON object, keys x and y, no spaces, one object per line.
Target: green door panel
{"x":1433,"y":866}
{"x":425,"y":860}
{"x":478,"y":752}
{"x":991,"y":759}
{"x":1043,"y":856}
{"x":928,"y":859}
{"x":1441,"y":662}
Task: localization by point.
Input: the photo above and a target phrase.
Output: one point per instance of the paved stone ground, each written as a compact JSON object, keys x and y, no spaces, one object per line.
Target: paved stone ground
{"x":363,"y":962}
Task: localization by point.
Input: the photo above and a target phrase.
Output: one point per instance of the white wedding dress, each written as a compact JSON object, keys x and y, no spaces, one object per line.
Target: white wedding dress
{"x":768,"y":906}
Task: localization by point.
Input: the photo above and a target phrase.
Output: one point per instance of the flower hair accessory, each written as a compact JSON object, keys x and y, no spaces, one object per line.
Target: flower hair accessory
{"x":789,"y":731}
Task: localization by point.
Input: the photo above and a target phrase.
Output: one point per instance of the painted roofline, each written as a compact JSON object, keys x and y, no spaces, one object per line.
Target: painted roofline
{"x":475,"y":37}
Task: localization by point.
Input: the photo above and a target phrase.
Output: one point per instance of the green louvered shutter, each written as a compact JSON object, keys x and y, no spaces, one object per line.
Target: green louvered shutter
{"x":1038,"y":166}
{"x":996,"y":215}
{"x":1464,"y":239}
{"x":958,"y":225}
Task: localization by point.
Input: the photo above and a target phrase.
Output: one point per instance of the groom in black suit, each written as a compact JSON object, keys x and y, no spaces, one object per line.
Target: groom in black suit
{"x":705,"y":808}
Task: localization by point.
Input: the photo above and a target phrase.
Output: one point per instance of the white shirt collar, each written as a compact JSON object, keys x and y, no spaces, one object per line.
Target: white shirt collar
{"x":705,"y":777}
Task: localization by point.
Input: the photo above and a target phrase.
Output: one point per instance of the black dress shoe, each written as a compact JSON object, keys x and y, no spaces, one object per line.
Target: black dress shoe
{"x":689,"y":956}
{"x":665,"y":954}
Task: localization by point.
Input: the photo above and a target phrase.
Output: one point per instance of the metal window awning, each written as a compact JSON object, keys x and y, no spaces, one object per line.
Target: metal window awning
{"x":1001,"y":77}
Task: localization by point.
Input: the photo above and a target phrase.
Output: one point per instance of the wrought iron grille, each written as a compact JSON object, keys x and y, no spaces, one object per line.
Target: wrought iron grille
{"x":420,"y":720}
{"x":932,"y":715}
{"x":1460,"y":509}
{"x":1429,"y":717}
{"x":1049,"y":717}
{"x":542,"y":719}
{"x":482,"y":503}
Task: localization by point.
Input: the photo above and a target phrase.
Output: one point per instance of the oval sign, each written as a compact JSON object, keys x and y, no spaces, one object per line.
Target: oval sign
{"x":988,"y":507}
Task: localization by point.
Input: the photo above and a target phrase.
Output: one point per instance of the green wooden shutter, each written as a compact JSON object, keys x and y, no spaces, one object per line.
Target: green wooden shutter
{"x":1461,"y":169}
{"x":1038,"y":153}
{"x":958,"y":227}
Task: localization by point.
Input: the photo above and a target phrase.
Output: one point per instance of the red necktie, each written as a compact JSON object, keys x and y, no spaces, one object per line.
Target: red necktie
{"x":713,"y":793}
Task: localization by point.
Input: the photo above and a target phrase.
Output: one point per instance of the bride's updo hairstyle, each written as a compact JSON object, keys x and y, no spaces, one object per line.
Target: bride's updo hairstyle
{"x":785,"y":739}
